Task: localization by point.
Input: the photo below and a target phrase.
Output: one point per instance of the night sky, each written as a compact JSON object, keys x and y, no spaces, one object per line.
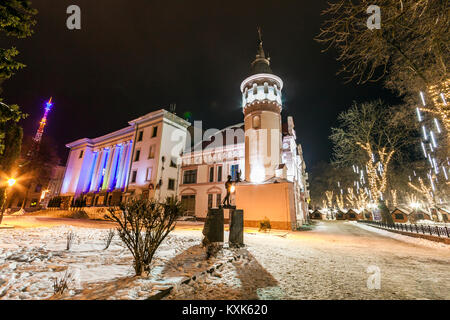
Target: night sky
{"x":134,"y":57}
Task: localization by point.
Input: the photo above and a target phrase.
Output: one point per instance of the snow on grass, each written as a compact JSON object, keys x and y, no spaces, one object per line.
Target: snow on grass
{"x":393,"y":235}
{"x":31,"y":260}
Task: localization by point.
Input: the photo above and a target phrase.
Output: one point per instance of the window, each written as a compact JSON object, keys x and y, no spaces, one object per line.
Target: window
{"x":81,"y":154}
{"x":399,"y":216}
{"x":33,"y":203}
{"x":256,"y":123}
{"x":137,"y":155}
{"x":210,"y":200}
{"x":171,"y":184}
{"x":155,"y":132}
{"x":151,"y":152}
{"x":173,"y":162}
{"x":211,"y":174}
{"x":219,"y":173}
{"x":140,"y":135}
{"x":190,"y":176}
{"x":234,"y":171}
{"x":148,"y":176}
{"x":133,"y":176}
{"x":420,"y":216}
{"x":218,"y":200}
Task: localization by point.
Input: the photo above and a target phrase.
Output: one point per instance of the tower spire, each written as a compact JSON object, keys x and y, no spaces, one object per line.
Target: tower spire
{"x":261,"y":64}
{"x":38,"y":137}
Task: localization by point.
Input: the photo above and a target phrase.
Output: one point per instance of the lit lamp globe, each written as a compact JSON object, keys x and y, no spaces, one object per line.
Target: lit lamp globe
{"x":11,"y":182}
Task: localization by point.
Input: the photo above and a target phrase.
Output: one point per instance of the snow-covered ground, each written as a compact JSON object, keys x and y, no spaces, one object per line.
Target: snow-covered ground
{"x":329,"y":262}
{"x":31,"y":259}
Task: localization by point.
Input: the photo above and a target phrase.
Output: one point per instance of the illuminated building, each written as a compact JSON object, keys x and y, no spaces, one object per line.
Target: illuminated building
{"x":141,"y":159}
{"x":263,"y":149}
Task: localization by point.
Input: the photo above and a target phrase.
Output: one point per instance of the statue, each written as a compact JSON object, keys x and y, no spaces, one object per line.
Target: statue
{"x":228,"y":186}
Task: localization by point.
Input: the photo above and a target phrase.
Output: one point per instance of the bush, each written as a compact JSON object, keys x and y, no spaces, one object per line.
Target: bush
{"x":108,"y":238}
{"x":62,"y":284}
{"x":143,"y":225}
{"x":265,"y":225}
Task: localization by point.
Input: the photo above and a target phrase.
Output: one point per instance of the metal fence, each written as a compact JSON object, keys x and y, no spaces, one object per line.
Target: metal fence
{"x":439,"y":231}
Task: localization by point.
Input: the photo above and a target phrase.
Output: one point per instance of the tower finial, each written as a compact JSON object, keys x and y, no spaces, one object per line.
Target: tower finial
{"x":261,"y":53}
{"x":260,"y":35}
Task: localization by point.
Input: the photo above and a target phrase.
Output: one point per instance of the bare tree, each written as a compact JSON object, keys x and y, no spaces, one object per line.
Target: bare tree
{"x":143,"y":225}
{"x":374,"y":136}
{"x":410,"y":50}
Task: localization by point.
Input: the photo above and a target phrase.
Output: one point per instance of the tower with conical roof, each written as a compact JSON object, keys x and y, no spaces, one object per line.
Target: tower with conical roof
{"x":262,"y":105}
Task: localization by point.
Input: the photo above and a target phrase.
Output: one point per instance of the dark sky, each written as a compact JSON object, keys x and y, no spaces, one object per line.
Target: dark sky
{"x":134,"y":57}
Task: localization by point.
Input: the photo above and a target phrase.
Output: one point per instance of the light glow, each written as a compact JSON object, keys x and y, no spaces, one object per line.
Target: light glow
{"x":11,"y":182}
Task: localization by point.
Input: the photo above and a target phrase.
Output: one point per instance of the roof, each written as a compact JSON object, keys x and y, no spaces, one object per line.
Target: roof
{"x":219,"y":139}
{"x":147,"y":117}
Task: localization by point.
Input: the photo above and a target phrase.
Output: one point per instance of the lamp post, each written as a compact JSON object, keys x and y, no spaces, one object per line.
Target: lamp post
{"x":10,"y":183}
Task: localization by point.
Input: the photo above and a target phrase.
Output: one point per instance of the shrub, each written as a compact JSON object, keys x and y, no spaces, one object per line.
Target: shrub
{"x":70,"y":237}
{"x":61,"y":285}
{"x":265,"y":225}
{"x":143,"y":225}
{"x":108,"y":238}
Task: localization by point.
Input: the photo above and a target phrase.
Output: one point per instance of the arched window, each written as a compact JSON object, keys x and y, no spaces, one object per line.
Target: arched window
{"x":256,"y":122}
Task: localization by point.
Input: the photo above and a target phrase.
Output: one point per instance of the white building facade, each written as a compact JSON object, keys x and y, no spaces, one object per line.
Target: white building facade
{"x":139,"y":160}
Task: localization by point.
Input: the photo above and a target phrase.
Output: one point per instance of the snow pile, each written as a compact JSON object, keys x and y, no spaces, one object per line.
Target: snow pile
{"x":21,"y":212}
{"x":412,"y":240}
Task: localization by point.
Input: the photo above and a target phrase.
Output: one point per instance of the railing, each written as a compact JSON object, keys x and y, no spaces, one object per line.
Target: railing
{"x":439,"y":231}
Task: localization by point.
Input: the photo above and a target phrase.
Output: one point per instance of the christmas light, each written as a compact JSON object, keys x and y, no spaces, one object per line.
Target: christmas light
{"x":422,"y":96}
{"x":436,"y":123}
{"x":433,"y":140}
{"x":419,"y":116}
{"x":424,"y":130}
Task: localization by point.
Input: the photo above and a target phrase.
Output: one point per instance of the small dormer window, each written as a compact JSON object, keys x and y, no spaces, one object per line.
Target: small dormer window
{"x":255,"y":89}
{"x":266,"y":88}
{"x":275,"y":91}
{"x":81,"y":154}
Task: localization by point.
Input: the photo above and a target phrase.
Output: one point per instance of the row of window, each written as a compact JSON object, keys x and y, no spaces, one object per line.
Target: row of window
{"x":141,"y":134}
{"x":190,"y":176}
{"x":151,"y":153}
{"x":148,"y":177}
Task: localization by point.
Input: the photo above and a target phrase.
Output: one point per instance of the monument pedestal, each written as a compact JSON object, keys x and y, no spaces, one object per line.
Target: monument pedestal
{"x":213,"y":229}
{"x":236,"y":237}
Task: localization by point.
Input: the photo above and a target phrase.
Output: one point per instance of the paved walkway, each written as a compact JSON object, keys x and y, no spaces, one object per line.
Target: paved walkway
{"x":331,"y":263}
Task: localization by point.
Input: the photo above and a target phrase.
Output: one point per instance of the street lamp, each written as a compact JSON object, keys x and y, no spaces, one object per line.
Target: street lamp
{"x":10,"y":183}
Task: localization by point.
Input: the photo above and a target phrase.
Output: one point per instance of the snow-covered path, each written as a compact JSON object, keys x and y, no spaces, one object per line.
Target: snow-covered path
{"x":329,"y":263}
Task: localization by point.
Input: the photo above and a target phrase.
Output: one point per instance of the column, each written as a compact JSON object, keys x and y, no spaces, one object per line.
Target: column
{"x":93,"y":187}
{"x":114,"y":167}
{"x":127,"y":165}
{"x":121,"y":166}
{"x":91,"y":173}
{"x":107,"y":171}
